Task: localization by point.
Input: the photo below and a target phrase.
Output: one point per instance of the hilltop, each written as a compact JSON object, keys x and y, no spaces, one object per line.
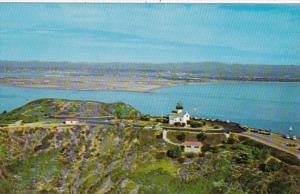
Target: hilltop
{"x":38,"y":109}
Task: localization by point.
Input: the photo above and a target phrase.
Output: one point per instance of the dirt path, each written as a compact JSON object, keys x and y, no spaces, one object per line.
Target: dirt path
{"x":166,"y":139}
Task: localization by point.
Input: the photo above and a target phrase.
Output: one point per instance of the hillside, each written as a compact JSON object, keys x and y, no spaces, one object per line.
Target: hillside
{"x":115,"y":159}
{"x":38,"y":109}
{"x":109,"y":159}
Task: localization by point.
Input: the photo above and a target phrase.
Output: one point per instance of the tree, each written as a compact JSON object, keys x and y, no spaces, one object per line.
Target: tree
{"x":208,"y":148}
{"x":216,"y":127}
{"x":118,"y":112}
{"x":195,"y":124}
{"x":201,"y":136}
{"x":242,"y":158}
{"x":233,"y":138}
{"x":132,"y":113}
{"x":181,"y":136}
{"x":174,"y":153}
{"x":145,"y":117}
{"x":159,"y":135}
{"x":271,"y":166}
{"x":177,"y":124}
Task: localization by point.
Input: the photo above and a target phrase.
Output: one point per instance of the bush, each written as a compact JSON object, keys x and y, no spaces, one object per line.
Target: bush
{"x":271,"y":166}
{"x":190,"y":155}
{"x":206,"y":148}
{"x":201,"y":136}
{"x":161,"y":120}
{"x":145,"y":117}
{"x":260,"y":153}
{"x":178,"y":124}
{"x":242,"y":158}
{"x":280,"y":187}
{"x":159,"y":136}
{"x":181,"y":160}
{"x":233,"y":138}
{"x":291,"y":144}
{"x":174,"y":153}
{"x":181,"y":137}
{"x":165,"y":120}
{"x":214,"y":149}
{"x":195,"y":124}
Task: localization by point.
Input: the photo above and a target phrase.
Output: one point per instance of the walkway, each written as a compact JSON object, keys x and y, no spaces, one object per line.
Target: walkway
{"x":166,"y":139}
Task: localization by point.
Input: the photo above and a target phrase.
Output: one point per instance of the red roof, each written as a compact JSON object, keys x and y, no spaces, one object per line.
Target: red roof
{"x":192,"y":143}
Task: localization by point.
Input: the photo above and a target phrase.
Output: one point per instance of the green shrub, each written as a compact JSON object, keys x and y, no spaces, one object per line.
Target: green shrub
{"x":181,"y":160}
{"x":159,"y":136}
{"x":174,"y":153}
{"x":145,"y":117}
{"x":206,"y":148}
{"x":201,"y":136}
{"x":260,"y":153}
{"x":181,"y":137}
{"x":195,"y":124}
{"x":233,"y":138}
{"x":190,"y":155}
{"x":271,"y":166}
{"x":241,"y":158}
{"x":280,"y":187}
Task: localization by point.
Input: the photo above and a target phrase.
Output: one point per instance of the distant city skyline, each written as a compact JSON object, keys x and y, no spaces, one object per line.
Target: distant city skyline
{"x":151,"y":33}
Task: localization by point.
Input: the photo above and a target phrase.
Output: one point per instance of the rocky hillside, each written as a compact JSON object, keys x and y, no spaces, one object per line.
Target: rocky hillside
{"x":110,"y":159}
{"x":38,"y":109}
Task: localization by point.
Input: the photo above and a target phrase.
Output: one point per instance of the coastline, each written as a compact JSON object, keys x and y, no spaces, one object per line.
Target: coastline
{"x":125,"y":86}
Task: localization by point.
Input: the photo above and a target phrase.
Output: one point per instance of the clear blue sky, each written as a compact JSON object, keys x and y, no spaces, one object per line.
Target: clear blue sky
{"x":260,"y":34}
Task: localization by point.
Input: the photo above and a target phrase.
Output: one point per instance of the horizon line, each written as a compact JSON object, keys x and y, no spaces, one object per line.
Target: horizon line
{"x":159,"y":1}
{"x":152,"y":63}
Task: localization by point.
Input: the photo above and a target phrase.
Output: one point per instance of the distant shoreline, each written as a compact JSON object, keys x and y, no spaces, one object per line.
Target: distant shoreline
{"x":142,"y":85}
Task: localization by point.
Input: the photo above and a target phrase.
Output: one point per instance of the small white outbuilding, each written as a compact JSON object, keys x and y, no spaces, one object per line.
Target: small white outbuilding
{"x":71,"y":121}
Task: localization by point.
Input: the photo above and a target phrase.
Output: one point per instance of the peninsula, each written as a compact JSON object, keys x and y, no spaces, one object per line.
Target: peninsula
{"x":56,"y":146}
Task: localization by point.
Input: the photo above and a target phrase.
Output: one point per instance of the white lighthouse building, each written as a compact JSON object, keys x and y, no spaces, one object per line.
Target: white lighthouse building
{"x":179,"y":116}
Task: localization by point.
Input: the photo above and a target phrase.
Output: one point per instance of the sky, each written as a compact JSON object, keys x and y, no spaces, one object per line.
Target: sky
{"x":151,"y":33}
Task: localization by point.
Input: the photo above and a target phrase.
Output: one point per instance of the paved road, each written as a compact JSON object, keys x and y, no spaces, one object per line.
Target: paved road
{"x":276,"y":141}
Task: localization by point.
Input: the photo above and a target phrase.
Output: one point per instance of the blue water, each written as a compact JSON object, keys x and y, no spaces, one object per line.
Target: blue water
{"x":273,"y":106}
